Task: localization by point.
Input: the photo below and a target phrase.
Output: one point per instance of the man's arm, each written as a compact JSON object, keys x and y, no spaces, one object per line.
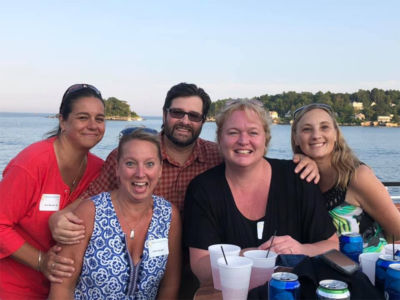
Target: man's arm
{"x":307,"y":167}
{"x":65,"y":226}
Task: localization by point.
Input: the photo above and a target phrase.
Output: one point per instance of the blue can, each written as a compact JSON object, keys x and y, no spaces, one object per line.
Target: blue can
{"x":392,"y":282}
{"x":382,"y":265}
{"x":284,"y":286}
{"x":351,"y":244}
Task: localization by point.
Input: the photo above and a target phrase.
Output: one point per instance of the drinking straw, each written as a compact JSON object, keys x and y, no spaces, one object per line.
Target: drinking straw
{"x":272,"y":240}
{"x":223,"y":253}
{"x":393,"y":246}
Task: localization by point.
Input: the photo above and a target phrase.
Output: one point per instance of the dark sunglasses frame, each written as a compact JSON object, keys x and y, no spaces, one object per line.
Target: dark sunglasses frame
{"x":313,"y":105}
{"x":129,"y":130}
{"x":177,"y":113}
{"x":81,"y":86}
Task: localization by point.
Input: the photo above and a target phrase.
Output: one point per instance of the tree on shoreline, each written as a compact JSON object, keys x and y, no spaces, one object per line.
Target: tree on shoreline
{"x":115,"y":107}
{"x":376,"y":103}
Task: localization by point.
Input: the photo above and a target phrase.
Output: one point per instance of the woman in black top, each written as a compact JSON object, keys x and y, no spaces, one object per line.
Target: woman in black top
{"x":246,"y":199}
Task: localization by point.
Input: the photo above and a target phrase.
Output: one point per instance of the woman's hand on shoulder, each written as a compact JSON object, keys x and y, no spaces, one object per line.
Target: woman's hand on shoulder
{"x":66,"y":227}
{"x":307,"y":168}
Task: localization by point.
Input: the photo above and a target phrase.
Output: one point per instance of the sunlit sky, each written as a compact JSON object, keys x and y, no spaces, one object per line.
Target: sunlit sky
{"x":136,"y":50}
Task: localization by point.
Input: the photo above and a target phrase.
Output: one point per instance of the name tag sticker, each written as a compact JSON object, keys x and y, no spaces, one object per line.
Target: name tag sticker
{"x":49,"y":202}
{"x":260,"y":229}
{"x":158,"y":247}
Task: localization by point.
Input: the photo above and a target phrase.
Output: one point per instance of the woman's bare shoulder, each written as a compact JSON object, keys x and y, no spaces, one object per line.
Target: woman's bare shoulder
{"x":363,"y":175}
{"x":85,"y":209}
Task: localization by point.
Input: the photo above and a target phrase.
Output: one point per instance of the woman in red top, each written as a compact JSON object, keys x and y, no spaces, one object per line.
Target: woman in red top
{"x":43,"y":178}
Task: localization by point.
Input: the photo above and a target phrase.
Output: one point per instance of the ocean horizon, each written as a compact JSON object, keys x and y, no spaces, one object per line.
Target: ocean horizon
{"x":375,"y":146}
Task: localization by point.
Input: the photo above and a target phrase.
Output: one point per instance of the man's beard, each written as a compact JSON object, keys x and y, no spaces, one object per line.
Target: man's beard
{"x":179,"y":142}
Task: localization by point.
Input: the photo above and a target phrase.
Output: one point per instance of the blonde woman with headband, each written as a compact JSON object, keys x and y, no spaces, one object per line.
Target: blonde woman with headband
{"x":131,"y":248}
{"x":356,"y":199}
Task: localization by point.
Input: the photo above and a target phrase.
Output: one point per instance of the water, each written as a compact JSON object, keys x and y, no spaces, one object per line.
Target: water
{"x":378,"y":147}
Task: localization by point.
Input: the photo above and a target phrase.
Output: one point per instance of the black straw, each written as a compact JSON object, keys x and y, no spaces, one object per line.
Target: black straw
{"x":393,"y":246}
{"x":272,"y":240}
{"x":223,"y":253}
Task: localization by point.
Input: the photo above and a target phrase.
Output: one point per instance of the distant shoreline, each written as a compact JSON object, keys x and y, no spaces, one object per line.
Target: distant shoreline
{"x":119,"y":118}
{"x":211,"y":119}
{"x":363,"y":124}
{"x":108,"y":118}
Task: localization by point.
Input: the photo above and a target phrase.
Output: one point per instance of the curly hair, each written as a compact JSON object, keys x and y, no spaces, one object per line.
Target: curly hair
{"x":343,"y":159}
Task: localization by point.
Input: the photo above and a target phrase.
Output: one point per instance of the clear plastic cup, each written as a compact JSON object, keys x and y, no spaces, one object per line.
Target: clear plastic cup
{"x":215,"y":253}
{"x":235,"y":277}
{"x":262,"y":268}
{"x":388,"y":249}
{"x":368,"y":264}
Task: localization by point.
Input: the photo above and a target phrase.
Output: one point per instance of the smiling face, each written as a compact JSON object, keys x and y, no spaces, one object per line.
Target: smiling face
{"x":316,"y":134}
{"x":85,"y":124}
{"x":139,"y":169}
{"x":183,"y":132}
{"x":242,"y":140}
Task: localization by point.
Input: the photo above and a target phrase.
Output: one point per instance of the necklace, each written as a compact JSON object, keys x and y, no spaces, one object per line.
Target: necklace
{"x":132,"y":228}
{"x":79,"y":172}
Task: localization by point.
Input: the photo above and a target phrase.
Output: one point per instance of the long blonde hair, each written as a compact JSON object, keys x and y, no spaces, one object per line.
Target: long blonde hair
{"x":343,"y":160}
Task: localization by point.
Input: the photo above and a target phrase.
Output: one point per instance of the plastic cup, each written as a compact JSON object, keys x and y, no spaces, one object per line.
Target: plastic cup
{"x":215,"y":253}
{"x":389,"y":248}
{"x":368,"y":264}
{"x":262,"y":268}
{"x":235,"y":277}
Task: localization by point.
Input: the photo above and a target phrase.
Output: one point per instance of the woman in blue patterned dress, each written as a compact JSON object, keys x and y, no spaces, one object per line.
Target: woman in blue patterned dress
{"x":132,"y":246}
{"x":356,"y":199}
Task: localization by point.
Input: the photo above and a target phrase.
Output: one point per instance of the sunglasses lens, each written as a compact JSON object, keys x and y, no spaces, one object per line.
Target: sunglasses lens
{"x":176,"y":113}
{"x":129,"y":130}
{"x":194,"y":117}
{"x":179,"y":114}
{"x":80,"y":86}
{"x":312,"y":105}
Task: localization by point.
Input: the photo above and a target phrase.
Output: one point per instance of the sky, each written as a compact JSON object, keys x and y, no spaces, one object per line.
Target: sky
{"x":137,"y":50}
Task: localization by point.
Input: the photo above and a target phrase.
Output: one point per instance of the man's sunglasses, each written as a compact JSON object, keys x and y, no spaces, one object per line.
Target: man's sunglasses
{"x":130,"y":130}
{"x":311,"y":106}
{"x":81,"y":86}
{"x":177,"y":113}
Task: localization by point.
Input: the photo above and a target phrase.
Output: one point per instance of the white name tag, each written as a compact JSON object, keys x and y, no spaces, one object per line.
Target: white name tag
{"x":158,"y":247}
{"x":49,"y":202}
{"x":260,"y":229}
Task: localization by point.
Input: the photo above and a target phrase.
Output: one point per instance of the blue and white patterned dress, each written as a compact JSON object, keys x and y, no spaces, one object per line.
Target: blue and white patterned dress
{"x":108,"y":271}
